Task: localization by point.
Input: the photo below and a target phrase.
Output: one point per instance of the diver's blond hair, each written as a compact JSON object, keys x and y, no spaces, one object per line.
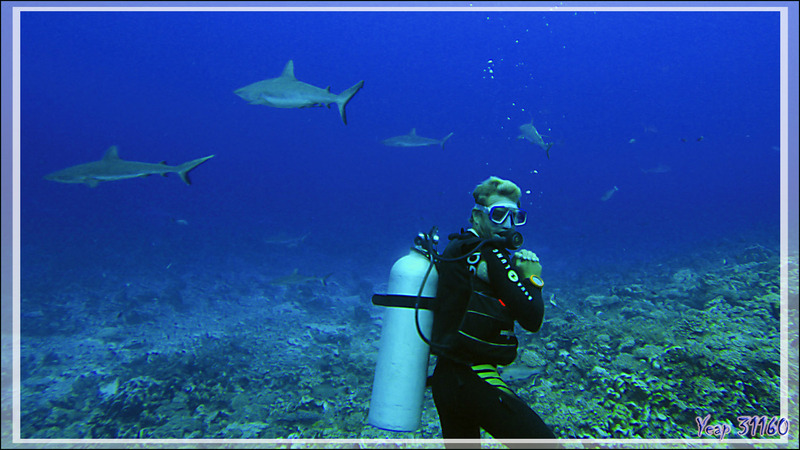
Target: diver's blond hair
{"x":496,"y":186}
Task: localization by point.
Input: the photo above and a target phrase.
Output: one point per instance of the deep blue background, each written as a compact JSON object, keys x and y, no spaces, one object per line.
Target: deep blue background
{"x":160,"y":86}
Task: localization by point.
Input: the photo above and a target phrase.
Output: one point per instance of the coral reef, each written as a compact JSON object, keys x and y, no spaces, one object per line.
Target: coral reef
{"x":633,"y":358}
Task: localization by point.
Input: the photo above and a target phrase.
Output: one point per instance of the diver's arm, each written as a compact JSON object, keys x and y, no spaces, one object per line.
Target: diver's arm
{"x":536,"y":315}
{"x":519,"y":295}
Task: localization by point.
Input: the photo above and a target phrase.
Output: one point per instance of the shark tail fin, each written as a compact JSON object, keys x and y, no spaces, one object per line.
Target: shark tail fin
{"x":185,"y":168}
{"x":445,"y":138}
{"x":345,"y":97}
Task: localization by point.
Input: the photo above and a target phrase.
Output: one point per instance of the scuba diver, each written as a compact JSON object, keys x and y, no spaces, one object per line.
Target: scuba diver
{"x":482,"y":291}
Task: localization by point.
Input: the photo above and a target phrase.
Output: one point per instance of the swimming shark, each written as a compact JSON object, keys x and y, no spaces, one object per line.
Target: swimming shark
{"x":413,"y":140}
{"x":112,"y":168}
{"x":660,"y":168}
{"x":528,"y":132}
{"x":286,"y":91}
{"x":609,"y":193}
{"x":285,"y":241}
{"x":294,"y":279}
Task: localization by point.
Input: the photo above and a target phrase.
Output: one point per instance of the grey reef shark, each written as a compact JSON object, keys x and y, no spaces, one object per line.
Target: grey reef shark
{"x":660,"y":168}
{"x":285,"y":241}
{"x":295,"y":278}
{"x":528,"y":131}
{"x":413,"y":140}
{"x":112,"y":168}
{"x":286,"y":91}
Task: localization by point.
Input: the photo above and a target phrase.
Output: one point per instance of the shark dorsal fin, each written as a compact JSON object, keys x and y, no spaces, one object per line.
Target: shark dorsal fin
{"x":111,"y":154}
{"x":328,"y":89}
{"x":295,"y":271}
{"x":288,"y":71}
{"x":413,"y":132}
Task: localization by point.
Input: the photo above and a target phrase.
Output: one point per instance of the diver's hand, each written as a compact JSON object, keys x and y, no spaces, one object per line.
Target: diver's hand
{"x":527,"y":263}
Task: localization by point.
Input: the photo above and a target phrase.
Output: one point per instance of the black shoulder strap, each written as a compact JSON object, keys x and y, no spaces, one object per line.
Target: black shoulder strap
{"x":402,"y":301}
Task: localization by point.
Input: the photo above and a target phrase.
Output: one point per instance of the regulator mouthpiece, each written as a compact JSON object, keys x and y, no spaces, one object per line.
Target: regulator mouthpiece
{"x":511,"y":240}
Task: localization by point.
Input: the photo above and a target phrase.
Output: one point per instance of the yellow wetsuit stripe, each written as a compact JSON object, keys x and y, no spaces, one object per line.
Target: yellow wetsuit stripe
{"x":506,"y":390}
{"x":489,"y":374}
{"x":486,"y":375}
{"x":496,"y":382}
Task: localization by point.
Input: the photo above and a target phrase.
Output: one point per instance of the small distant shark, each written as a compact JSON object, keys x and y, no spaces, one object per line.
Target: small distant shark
{"x":413,"y":140}
{"x":661,"y":168}
{"x":112,"y":168}
{"x":528,"y":132}
{"x":650,"y":129}
{"x":294,"y":279}
{"x":609,"y":193}
{"x":285,"y":241}
{"x":286,"y":91}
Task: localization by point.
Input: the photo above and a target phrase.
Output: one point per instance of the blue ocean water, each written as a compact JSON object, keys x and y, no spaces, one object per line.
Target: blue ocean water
{"x":678,"y":110}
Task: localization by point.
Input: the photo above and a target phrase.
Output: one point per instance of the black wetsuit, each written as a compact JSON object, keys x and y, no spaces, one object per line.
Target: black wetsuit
{"x":468,"y":393}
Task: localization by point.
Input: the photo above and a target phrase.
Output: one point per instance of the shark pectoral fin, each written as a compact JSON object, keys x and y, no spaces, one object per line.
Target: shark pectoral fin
{"x":345,"y":97}
{"x":92,"y":182}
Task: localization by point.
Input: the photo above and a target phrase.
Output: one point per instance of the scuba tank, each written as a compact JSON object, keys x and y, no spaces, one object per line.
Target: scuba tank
{"x":402,"y":368}
{"x":401,"y":371}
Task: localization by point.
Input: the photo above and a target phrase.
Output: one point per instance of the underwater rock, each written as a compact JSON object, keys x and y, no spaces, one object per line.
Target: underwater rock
{"x":691,"y":326}
{"x":686,"y":277}
{"x":109,"y":389}
{"x":626,"y":344}
{"x":756,"y":253}
{"x":531,"y":358}
{"x":630,"y":290}
{"x":133,"y":397}
{"x":603,"y":340}
{"x":247,"y":430}
{"x":51,"y":359}
{"x":625,"y":362}
{"x":300,"y":416}
{"x":648,"y":352}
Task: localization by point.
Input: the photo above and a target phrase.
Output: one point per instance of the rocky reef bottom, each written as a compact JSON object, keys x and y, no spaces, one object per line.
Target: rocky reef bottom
{"x":640,"y":355}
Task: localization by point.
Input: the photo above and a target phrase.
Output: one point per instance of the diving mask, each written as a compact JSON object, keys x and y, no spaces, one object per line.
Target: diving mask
{"x":499,"y":213}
